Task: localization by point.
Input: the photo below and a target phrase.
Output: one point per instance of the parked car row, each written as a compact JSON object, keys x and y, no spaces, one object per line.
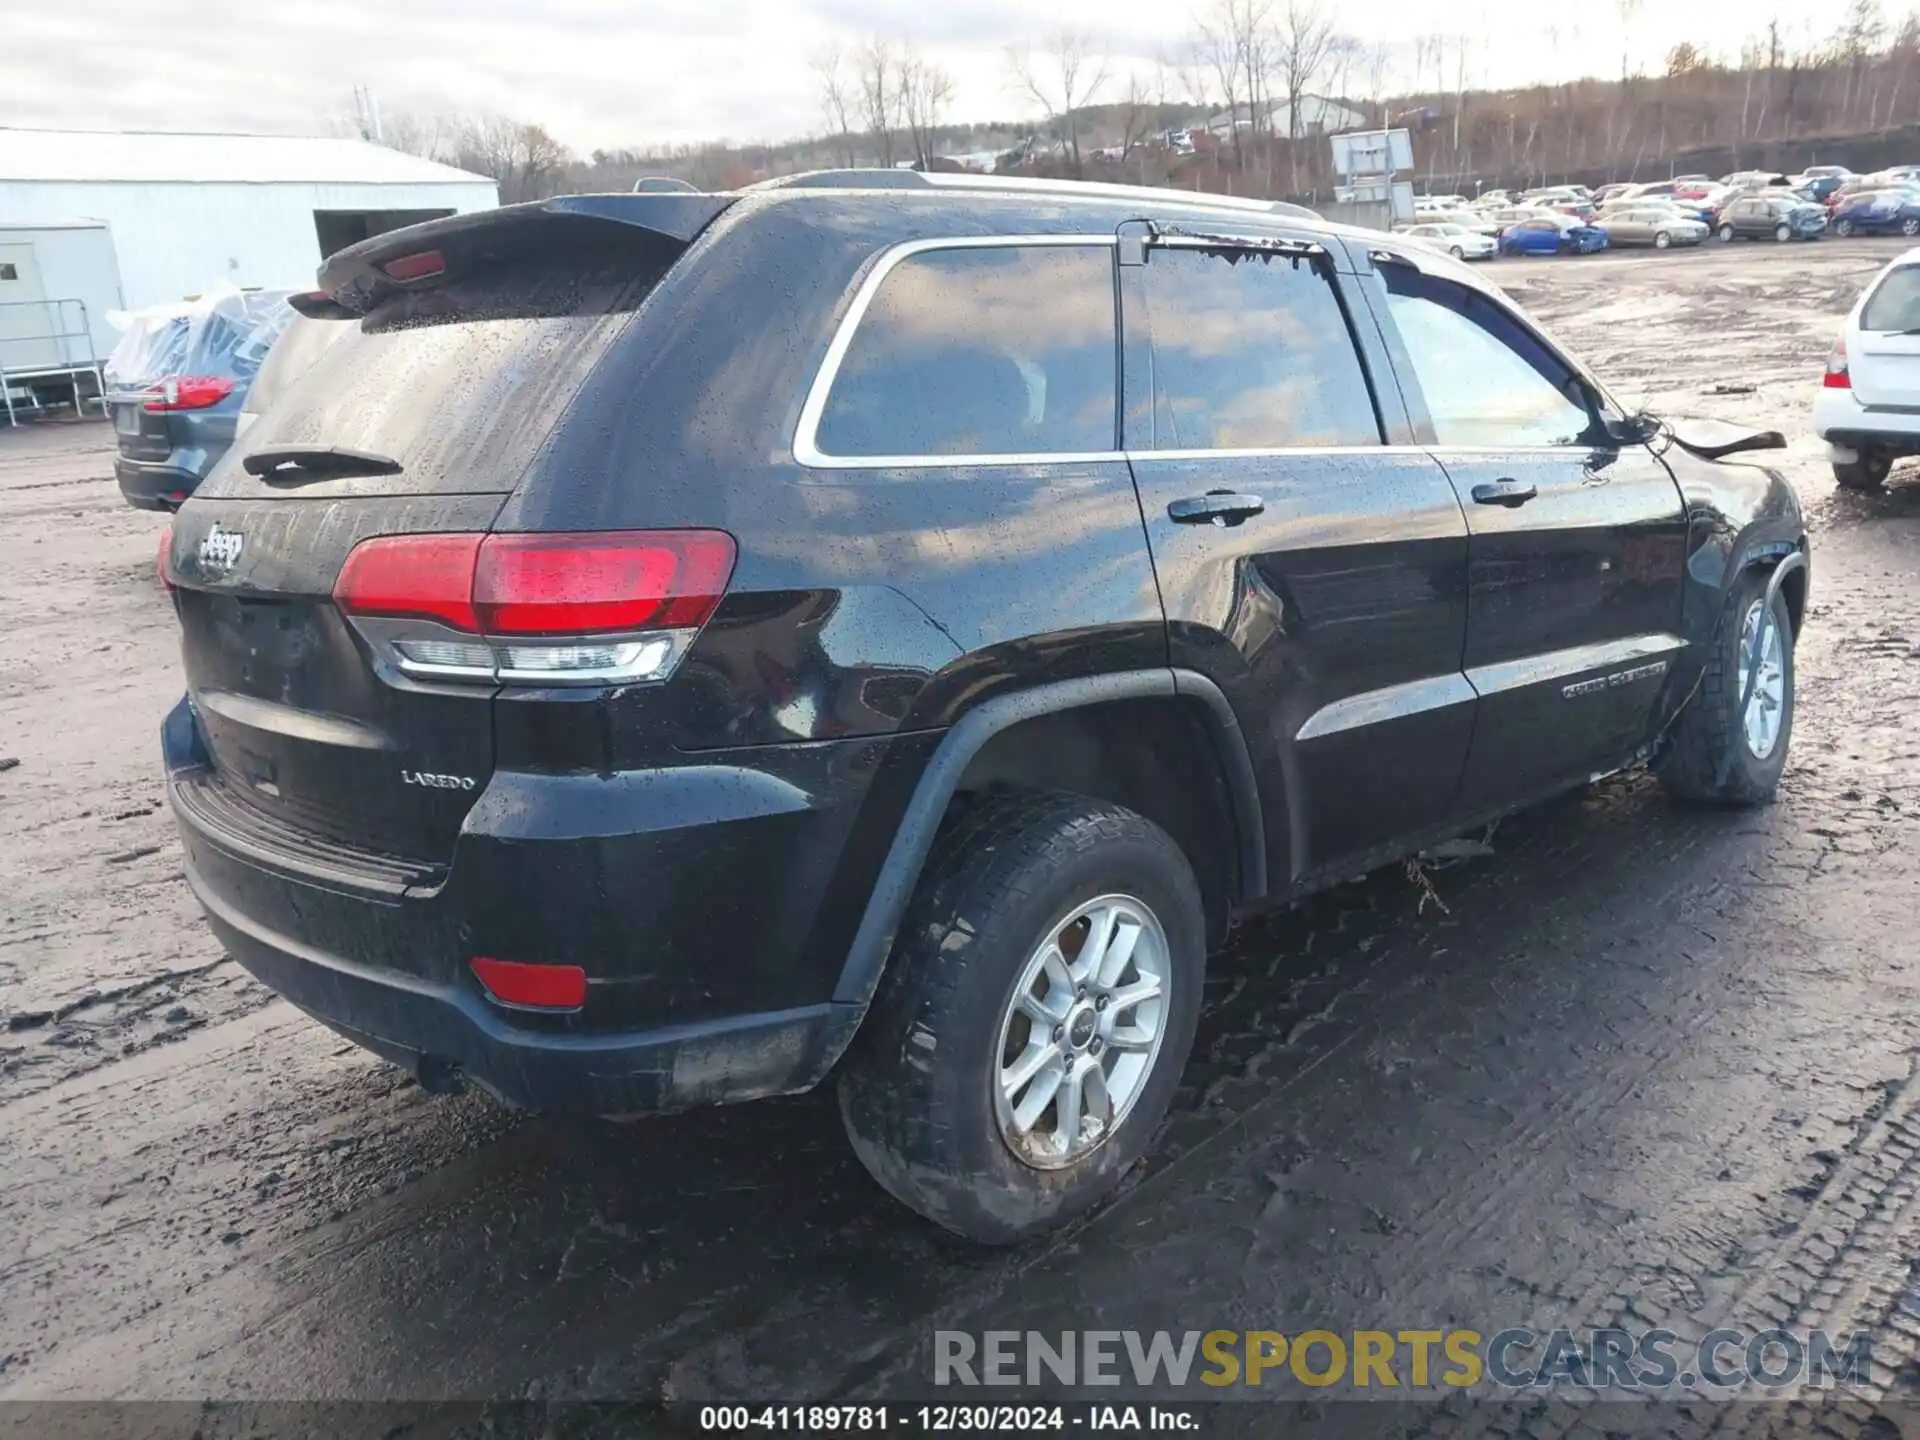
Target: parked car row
{"x":1686,"y":210}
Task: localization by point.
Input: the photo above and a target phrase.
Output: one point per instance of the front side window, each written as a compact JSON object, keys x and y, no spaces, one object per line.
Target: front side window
{"x":1249,"y":351}
{"x":1487,"y":380}
{"x":981,"y":351}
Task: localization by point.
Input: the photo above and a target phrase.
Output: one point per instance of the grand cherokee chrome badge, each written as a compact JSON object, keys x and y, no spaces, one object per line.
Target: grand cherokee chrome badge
{"x":220,"y":550}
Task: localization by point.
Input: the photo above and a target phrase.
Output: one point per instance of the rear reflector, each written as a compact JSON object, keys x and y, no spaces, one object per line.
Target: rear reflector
{"x":186,"y":392}
{"x":1837,"y":376}
{"x":166,"y":550}
{"x":611,"y":607}
{"x":540,"y":987}
{"x":416,"y":267}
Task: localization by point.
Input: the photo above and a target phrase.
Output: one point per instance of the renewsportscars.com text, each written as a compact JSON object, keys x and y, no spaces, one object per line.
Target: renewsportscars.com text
{"x":1383,"y":1361}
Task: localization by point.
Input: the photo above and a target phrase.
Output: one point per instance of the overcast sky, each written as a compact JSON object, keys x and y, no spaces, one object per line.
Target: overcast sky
{"x":610,"y":73}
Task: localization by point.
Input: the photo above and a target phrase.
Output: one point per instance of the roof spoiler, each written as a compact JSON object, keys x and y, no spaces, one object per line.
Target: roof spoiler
{"x":354,"y":280}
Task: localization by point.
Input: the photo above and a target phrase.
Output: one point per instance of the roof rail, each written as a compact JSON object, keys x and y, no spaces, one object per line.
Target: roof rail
{"x":876,"y":179}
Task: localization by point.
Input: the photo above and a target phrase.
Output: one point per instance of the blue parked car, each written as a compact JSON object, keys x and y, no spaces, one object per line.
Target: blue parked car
{"x":1561,"y":235}
{"x":1877,"y":212}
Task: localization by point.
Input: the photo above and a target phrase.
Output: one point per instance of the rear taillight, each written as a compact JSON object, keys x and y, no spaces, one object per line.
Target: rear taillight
{"x":612,"y":608}
{"x":160,"y":560}
{"x":186,"y":392}
{"x":1837,"y":377}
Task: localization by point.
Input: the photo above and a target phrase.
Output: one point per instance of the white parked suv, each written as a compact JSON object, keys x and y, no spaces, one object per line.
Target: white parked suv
{"x":1869,"y":406}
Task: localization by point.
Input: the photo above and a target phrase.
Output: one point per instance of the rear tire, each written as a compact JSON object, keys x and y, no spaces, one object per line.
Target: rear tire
{"x":1712,"y":756}
{"x":1910,"y":225}
{"x":929,"y":1091}
{"x":1869,"y":472}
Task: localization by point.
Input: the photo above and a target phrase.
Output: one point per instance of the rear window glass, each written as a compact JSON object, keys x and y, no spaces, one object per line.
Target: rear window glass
{"x":1895,"y":302}
{"x":300,"y":344}
{"x":1251,"y":351}
{"x":461,"y":383}
{"x":990,"y":350}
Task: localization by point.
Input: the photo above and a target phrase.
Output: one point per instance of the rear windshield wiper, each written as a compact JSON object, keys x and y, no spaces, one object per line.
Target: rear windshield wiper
{"x":303,"y":463}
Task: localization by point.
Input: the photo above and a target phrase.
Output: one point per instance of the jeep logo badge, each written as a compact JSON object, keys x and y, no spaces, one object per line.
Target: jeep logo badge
{"x":220,"y":550}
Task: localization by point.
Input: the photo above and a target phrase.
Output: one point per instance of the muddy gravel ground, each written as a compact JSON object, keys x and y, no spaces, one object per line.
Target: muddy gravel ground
{"x":1643,"y":1066}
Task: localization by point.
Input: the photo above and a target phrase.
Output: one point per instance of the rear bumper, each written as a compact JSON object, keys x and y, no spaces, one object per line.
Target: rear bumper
{"x":153,"y":486}
{"x":712,"y":906}
{"x":1840,"y":419}
{"x":446,"y":1035}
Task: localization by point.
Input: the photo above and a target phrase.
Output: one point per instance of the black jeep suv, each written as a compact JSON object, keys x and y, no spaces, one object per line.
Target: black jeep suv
{"x":674,"y":647}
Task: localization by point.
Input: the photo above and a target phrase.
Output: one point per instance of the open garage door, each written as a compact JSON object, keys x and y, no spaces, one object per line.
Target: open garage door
{"x":338,"y":229}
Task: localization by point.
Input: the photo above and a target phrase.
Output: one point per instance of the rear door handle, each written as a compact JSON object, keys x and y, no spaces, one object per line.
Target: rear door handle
{"x":1510,"y":493}
{"x":1216,"y":507}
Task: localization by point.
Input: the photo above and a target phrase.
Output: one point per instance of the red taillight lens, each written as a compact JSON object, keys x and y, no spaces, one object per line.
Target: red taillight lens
{"x":543,"y":987}
{"x":160,"y":560}
{"x":1837,"y":376}
{"x":416,"y":577}
{"x":187,"y":392}
{"x":601,"y":584}
{"x":609,"y":608}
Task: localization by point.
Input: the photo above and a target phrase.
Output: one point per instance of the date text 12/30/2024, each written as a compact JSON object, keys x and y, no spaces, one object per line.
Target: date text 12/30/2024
{"x":948,"y":1419}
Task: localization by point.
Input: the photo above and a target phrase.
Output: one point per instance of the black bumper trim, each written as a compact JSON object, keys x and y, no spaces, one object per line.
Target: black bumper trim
{"x":439,"y":1032}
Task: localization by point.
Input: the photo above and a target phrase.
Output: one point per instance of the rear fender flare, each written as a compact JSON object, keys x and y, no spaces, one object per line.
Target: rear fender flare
{"x":913,"y":840}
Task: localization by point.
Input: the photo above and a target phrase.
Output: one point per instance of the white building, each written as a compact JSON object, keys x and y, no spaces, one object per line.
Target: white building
{"x":186,"y":212}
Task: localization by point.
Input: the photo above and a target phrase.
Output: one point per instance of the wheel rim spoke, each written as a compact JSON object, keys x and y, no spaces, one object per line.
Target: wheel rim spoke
{"x":1146,"y":988}
{"x":1099,"y":935}
{"x":1072,"y":1096}
{"x":1032,"y":1061}
{"x":1039,"y":1097}
{"x":1126,"y":935}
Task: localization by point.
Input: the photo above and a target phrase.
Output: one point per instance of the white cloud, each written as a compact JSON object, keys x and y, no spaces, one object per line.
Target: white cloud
{"x":603,"y":73}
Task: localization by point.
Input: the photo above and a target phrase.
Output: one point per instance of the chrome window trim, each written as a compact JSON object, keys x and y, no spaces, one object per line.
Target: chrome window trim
{"x":806,"y":448}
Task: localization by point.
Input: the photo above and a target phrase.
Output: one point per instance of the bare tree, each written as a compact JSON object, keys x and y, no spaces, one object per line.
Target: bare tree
{"x":1215,"y":57}
{"x":839,"y":96}
{"x":526,"y":162}
{"x":879,"y":94}
{"x":1062,"y":79}
{"x":925,"y":93}
{"x":1140,"y":99}
{"x":428,"y":135}
{"x":1303,"y":37}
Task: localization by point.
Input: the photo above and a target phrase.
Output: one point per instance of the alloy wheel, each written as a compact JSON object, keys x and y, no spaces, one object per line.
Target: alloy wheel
{"x":1081,"y":1031}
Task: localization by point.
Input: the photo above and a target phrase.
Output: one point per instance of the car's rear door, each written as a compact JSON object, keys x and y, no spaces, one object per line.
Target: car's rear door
{"x":420,"y":420}
{"x":1577,"y":555}
{"x":1311,"y":560}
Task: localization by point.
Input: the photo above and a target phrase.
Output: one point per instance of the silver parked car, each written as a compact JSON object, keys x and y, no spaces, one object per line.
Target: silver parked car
{"x":1657,"y":225}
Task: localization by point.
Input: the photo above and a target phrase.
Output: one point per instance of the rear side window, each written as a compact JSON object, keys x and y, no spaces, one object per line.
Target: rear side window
{"x":981,"y":351}
{"x":1250,"y":351}
{"x":1895,"y":302}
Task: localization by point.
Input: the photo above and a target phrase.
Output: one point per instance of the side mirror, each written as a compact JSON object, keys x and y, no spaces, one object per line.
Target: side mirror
{"x":1635,"y":429}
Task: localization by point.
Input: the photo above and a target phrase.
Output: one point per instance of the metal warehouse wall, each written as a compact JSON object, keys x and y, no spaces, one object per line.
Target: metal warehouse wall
{"x":176,"y":239}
